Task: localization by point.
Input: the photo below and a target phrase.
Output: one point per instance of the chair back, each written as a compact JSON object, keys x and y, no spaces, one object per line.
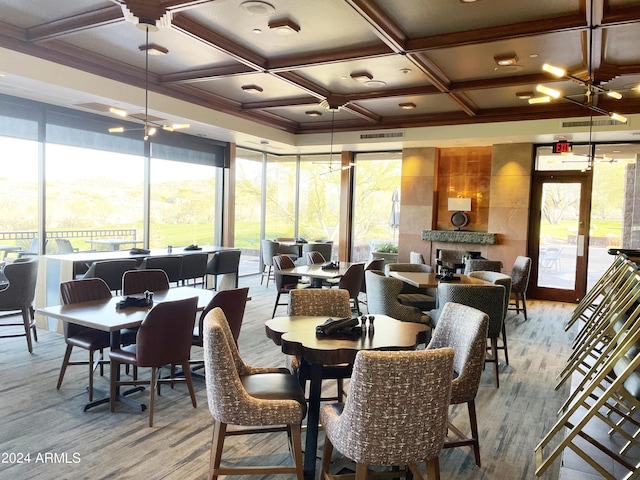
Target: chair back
{"x":416,"y":257}
{"x":164,"y":336}
{"x":282,"y":262}
{"x":228,"y":400}
{"x":329,"y":302}
{"x":22,"y":277}
{"x":382,"y":298}
{"x":397,"y":408}
{"x":111,"y":271}
{"x":407,"y":267}
{"x":520,"y":273}
{"x":488,"y":298}
{"x":479,"y":264}
{"x":233,"y":303}
{"x":497,"y":279}
{"x":171,"y":264}
{"x":269,"y":250}
{"x":352,"y":280}
{"x":139,"y":281}
{"x":375,"y":264}
{"x":324,"y":248}
{"x":78,"y":291}
{"x":314,"y":258}
{"x":449,"y":259}
{"x":63,"y":245}
{"x":465,"y":330}
{"x":194,"y":266}
{"x":224,"y":261}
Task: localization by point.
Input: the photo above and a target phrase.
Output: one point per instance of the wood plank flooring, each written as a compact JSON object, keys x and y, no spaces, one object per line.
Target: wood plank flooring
{"x":38,"y":419}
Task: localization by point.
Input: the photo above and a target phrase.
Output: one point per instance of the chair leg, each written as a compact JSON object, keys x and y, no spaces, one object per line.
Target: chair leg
{"x":217,"y":443}
{"x":187,"y":376}
{"x":433,"y":468}
{"x":113,"y":369}
{"x":32,"y":314}
{"x":276,"y":305}
{"x":296,"y":441}
{"x":26,"y":318}
{"x":65,"y":362}
{"x":91,"y":367}
{"x":327,"y":452}
{"x":524,"y":305}
{"x":504,"y":343}
{"x":473,"y":421}
{"x":361,"y":471}
{"x":152,"y":393}
{"x":494,"y":352}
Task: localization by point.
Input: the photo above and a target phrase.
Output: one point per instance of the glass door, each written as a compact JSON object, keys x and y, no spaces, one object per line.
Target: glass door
{"x":559,"y":235}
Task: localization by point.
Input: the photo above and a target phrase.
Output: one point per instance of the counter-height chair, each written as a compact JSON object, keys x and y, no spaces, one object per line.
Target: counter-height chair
{"x":139,"y":281}
{"x":194,"y":267}
{"x":320,"y":302}
{"x":164,"y":338}
{"x":325,"y":248}
{"x":520,"y":273}
{"x":465,"y":330}
{"x":260,"y":400}
{"x":395,"y":414}
{"x":224,"y":262}
{"x":480,"y":264}
{"x":421,"y":298}
{"x":269,"y":250}
{"x":233,"y":303}
{"x":291,"y":250}
{"x":382,"y":298}
{"x":488,"y":298}
{"x":90,"y":339}
{"x":111,"y":271}
{"x":284,"y":283}
{"x":171,"y":264}
{"x":19,"y":295}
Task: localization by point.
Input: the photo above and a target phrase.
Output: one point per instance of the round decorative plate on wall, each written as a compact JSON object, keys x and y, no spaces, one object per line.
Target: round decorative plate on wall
{"x":459,"y":220}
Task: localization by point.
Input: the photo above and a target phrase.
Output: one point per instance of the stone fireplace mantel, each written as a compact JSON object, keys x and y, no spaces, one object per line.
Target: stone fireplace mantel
{"x":459,"y":236}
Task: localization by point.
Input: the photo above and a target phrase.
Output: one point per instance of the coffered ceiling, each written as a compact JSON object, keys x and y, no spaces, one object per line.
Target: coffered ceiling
{"x":387,"y":64}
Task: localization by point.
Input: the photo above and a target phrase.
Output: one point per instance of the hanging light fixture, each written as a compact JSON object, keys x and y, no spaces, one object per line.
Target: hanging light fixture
{"x":150,"y":128}
{"x":333,"y":109}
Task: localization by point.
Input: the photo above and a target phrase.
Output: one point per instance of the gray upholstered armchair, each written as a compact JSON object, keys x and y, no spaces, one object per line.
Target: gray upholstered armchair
{"x":382,"y":298}
{"x":421,"y":298}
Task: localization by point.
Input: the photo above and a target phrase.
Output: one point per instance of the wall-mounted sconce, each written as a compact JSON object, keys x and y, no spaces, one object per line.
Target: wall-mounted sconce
{"x":459,"y":205}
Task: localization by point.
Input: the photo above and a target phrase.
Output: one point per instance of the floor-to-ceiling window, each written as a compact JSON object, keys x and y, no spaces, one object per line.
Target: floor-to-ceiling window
{"x":376,"y":203}
{"x":280,"y":191}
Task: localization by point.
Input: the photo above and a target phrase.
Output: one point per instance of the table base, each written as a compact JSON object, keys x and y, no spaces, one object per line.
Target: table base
{"x":119,"y":398}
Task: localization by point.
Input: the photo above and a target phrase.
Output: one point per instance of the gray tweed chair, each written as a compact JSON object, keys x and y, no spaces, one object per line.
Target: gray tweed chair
{"x":505,"y":281}
{"x":520,"y":273}
{"x":382,"y":298}
{"x":465,"y":330}
{"x":395,"y":414}
{"x":322,"y":302}
{"x":269,"y":250}
{"x":480,"y":264}
{"x":416,"y":257}
{"x":239,"y":394}
{"x":488,"y":298}
{"x":423,"y":299}
{"x":22,"y":275}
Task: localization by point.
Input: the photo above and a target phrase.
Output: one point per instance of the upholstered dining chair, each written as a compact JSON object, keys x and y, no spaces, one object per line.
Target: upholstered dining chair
{"x":63,"y":245}
{"x":18,"y":296}
{"x":284,"y":283}
{"x":194,"y":267}
{"x":324,"y":248}
{"x":314,"y":258}
{"x":505,"y":281}
{"x":224,"y":262}
{"x":164,"y":338}
{"x":375,"y":264}
{"x":90,"y":339}
{"x":171,"y":264}
{"x":416,"y":257}
{"x":233,"y":303}
{"x":139,"y":281}
{"x":262,"y":399}
{"x":488,"y":298}
{"x":269,"y":250}
{"x":421,"y":298}
{"x":382,"y":298}
{"x":465,"y":330}
{"x":321,"y":302}
{"x":396,"y":412}
{"x":351,"y":281}
{"x":520,"y":273}
{"x":111,"y":271}
{"x":480,"y":264}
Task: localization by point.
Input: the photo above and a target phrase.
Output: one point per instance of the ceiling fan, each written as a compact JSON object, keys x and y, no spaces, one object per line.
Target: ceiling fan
{"x":150,"y":126}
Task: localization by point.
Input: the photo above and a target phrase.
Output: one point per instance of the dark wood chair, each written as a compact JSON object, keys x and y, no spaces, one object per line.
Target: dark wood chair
{"x":139,"y":281}
{"x":194,"y":267}
{"x":111,"y":271}
{"x":284,"y":283}
{"x":171,"y":264}
{"x":352,"y":282}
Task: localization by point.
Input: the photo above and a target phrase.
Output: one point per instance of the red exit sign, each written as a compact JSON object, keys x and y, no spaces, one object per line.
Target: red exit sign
{"x":562,"y":147}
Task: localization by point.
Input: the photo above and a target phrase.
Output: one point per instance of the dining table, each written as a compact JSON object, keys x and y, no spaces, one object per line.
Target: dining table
{"x":431,"y":280}
{"x":296,"y":335}
{"x":105,"y":315}
{"x":317,"y":273}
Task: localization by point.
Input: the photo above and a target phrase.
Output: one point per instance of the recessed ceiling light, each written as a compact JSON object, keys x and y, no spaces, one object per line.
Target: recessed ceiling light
{"x":405,"y":70}
{"x":313,"y":113}
{"x":407,"y":105}
{"x":257,"y":8}
{"x":469,"y":1}
{"x":524,"y":95}
{"x":257,"y":30}
{"x":505,"y":60}
{"x":375,"y":83}
{"x":362,"y":77}
{"x":253,"y":89}
{"x":284,"y":26}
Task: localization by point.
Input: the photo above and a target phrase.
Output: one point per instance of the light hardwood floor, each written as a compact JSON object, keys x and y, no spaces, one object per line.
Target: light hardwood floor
{"x":37,"y":419}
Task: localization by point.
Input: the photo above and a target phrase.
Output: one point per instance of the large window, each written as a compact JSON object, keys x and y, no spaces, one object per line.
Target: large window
{"x":376,"y":212}
{"x":280,"y":213}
